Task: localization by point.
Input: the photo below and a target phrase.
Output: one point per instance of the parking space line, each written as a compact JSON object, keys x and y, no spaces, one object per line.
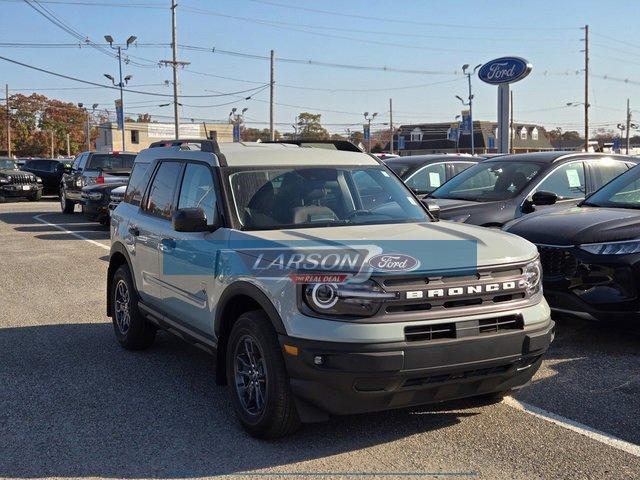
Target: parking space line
{"x":74,"y":234}
{"x":574,"y":426}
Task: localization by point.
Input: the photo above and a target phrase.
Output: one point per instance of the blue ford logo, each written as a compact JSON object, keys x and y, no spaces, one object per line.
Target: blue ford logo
{"x":504,"y":70}
{"x":393,"y":262}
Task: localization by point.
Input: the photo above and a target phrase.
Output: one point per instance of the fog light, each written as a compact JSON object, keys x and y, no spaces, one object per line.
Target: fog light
{"x":318,"y":360}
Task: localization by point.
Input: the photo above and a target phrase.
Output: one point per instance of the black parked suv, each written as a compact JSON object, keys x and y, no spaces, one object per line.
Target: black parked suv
{"x":50,"y":171}
{"x":17,"y":184}
{"x":498,"y":190}
{"x":93,"y":168}
{"x":591,"y":253}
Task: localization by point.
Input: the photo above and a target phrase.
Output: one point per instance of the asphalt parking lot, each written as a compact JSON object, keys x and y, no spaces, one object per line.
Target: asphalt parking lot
{"x":74,"y":404}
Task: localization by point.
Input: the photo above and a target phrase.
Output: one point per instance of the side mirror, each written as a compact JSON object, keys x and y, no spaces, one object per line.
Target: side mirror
{"x":433,"y":207}
{"x":544,"y":198}
{"x":189,"y":220}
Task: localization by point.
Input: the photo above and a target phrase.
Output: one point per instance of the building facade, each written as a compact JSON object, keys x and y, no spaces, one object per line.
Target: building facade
{"x":425,"y":138}
{"x":139,"y":135}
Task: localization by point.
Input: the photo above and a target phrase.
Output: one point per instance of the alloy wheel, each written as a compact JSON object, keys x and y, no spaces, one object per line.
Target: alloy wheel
{"x":122,"y":304}
{"x":250,"y":375}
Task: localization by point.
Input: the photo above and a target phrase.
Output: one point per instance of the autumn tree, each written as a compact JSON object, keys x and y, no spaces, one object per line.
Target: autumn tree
{"x":36,"y":121}
{"x":255,"y":134}
{"x":310,"y":128}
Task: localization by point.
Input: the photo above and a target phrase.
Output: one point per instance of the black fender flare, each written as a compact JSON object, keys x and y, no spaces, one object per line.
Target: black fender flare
{"x":117,"y":247}
{"x":250,"y":290}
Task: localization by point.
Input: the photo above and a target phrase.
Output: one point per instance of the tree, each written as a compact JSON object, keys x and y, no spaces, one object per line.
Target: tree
{"x":36,"y":119}
{"x":310,"y":128}
{"x":144,"y":118}
{"x":255,"y":134}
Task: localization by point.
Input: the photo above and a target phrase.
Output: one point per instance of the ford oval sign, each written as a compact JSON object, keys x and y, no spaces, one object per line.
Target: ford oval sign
{"x":393,"y":262}
{"x":504,"y":70}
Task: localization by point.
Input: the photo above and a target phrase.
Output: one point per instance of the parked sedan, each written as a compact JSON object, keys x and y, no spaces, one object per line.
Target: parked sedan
{"x":591,"y":253}
{"x":424,"y":173}
{"x":50,"y":171}
{"x":498,"y":190}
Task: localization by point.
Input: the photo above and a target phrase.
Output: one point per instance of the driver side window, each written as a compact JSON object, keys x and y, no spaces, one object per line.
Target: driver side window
{"x":198,"y":191}
{"x":566,"y":181}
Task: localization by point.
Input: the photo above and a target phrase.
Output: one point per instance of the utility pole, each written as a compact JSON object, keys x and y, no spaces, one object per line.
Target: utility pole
{"x":6,"y":88}
{"x":52,"y":149}
{"x":272,"y":90}
{"x":391,"y":125}
{"x":68,"y":146}
{"x":586,"y":88}
{"x":175,"y":63}
{"x":511,"y":149}
{"x":628,"y":127}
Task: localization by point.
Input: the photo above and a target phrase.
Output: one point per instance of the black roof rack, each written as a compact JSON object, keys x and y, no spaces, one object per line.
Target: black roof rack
{"x":186,"y":144}
{"x":343,"y":145}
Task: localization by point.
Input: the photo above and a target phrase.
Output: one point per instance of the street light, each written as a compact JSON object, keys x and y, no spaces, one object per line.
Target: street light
{"x":368,"y":118}
{"x":237,"y":119}
{"x":469,"y":102}
{"x":122,"y":82}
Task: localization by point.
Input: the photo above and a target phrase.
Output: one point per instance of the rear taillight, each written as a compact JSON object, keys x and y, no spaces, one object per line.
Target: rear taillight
{"x":100,"y":179}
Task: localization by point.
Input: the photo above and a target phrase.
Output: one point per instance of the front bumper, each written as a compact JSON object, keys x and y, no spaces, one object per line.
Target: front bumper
{"x":357,"y":378}
{"x":594,"y":287}
{"x":18,"y":190}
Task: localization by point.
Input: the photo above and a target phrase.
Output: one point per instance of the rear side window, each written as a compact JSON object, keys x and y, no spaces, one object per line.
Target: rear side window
{"x":604,"y":172}
{"x":162,"y":191}
{"x":137,"y":182}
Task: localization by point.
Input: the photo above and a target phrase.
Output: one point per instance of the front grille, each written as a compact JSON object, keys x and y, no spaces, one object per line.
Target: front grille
{"x":20,"y":179}
{"x":447,"y":377}
{"x":463,"y":329}
{"x":458,"y":293}
{"x":557,"y":262}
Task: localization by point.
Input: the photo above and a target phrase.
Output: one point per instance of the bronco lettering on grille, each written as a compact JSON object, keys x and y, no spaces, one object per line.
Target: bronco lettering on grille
{"x":457,"y":291}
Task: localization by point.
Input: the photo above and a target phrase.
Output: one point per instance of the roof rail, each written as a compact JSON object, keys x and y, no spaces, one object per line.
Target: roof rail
{"x":204,"y":145}
{"x":343,"y":145}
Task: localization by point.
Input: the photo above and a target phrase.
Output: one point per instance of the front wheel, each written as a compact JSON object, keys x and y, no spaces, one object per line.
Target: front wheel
{"x":133,"y":331}
{"x":36,"y":197}
{"x":66,"y":206}
{"x":258,"y":379}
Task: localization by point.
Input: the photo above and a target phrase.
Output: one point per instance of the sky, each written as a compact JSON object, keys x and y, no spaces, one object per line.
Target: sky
{"x":432,"y":39}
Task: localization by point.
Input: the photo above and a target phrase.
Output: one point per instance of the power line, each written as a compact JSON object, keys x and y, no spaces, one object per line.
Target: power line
{"x":110,"y":87}
{"x":402,"y":21}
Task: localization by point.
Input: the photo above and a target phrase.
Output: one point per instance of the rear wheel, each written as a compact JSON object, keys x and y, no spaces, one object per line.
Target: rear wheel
{"x":133,"y":331}
{"x":258,"y":379}
{"x":66,"y":206}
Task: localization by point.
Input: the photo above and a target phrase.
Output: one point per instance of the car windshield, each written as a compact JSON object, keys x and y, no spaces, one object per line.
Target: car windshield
{"x":266,"y":199}
{"x":111,"y":161}
{"x":7,"y":165}
{"x":622,"y":192}
{"x":489,"y":181}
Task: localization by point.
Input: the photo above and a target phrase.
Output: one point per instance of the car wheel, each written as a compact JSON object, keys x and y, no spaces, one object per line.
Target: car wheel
{"x":258,"y":379}
{"x":35,"y":197}
{"x":66,"y":206}
{"x":133,"y":331}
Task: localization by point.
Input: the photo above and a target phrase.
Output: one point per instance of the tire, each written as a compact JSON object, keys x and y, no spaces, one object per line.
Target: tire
{"x":132,"y":330}
{"x":277,"y":417}
{"x":36,"y":198}
{"x":67,"y":206}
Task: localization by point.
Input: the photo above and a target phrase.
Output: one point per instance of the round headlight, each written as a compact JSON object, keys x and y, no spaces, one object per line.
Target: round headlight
{"x":324,"y":295}
{"x":532,"y":277}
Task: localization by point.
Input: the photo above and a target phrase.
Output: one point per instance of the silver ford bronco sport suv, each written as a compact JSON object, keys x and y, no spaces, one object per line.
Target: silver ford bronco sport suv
{"x":319,"y":281}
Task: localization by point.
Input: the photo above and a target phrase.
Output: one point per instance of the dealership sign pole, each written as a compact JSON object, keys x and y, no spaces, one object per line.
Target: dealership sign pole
{"x":503,"y":72}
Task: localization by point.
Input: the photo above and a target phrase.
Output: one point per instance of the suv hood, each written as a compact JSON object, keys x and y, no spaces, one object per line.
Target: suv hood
{"x":493,"y":247}
{"x":13,"y":172}
{"x":577,"y":225}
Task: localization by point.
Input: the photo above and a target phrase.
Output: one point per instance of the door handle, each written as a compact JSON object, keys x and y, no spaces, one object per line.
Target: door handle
{"x":133,"y":230}
{"x":167,"y":244}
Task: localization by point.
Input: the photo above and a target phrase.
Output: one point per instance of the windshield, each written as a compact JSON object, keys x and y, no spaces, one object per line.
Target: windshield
{"x":7,"y":165}
{"x":488,"y":181}
{"x":108,"y":161}
{"x":622,"y":192}
{"x":321,"y":196}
